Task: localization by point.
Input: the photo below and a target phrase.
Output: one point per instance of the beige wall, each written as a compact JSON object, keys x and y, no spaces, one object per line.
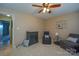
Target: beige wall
{"x":22,"y":23}
{"x":71,"y":24}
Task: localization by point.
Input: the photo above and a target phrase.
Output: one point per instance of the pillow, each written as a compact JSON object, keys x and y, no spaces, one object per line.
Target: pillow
{"x":78,"y":40}
{"x":72,"y":39}
{"x":46,"y":36}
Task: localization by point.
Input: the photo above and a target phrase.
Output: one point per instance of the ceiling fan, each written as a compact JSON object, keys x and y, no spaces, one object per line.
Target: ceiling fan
{"x":45,"y":7}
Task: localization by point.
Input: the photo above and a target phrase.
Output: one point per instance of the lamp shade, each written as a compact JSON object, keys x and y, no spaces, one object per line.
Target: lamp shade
{"x":56,"y":34}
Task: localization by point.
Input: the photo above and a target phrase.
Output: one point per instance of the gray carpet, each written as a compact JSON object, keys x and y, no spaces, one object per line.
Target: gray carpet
{"x":40,"y":50}
{"x":37,"y":49}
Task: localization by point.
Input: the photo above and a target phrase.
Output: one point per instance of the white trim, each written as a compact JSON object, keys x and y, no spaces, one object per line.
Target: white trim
{"x":13,"y":18}
{"x":13,"y":44}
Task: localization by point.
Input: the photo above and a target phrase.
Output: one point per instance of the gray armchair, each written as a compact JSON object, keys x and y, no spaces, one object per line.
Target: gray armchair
{"x":46,"y":38}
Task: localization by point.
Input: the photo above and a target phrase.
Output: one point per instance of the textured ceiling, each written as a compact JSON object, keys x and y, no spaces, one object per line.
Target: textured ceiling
{"x":28,"y":8}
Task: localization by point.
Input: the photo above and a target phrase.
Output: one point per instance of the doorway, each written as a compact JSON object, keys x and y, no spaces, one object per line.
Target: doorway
{"x":6,"y":27}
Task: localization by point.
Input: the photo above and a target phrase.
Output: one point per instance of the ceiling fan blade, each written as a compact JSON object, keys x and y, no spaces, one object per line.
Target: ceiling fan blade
{"x":43,"y":4}
{"x":47,"y":4}
{"x":36,"y":5}
{"x":55,"y":6}
{"x":40,"y":11}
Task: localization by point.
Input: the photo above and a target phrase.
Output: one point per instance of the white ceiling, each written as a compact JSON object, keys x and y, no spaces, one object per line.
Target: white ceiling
{"x":28,"y":8}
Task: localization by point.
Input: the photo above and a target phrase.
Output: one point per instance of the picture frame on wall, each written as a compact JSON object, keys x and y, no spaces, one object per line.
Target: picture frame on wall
{"x":61,"y":24}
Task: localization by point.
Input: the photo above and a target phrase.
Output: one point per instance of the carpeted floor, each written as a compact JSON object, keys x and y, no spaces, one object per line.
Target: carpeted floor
{"x":37,"y":49}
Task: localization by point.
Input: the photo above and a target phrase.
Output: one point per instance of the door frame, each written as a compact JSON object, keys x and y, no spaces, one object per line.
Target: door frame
{"x":13,"y":18}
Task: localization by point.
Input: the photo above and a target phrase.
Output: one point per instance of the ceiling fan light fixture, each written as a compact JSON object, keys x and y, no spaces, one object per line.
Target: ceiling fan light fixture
{"x":48,"y":10}
{"x":44,"y":10}
{"x":46,"y":7}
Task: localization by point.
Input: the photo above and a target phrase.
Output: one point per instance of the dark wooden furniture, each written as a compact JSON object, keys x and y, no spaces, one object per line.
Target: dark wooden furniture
{"x":32,"y":37}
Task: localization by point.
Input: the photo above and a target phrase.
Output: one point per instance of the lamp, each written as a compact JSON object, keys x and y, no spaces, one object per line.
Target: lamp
{"x":57,"y":38}
{"x":56,"y":34}
{"x":47,"y":10}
